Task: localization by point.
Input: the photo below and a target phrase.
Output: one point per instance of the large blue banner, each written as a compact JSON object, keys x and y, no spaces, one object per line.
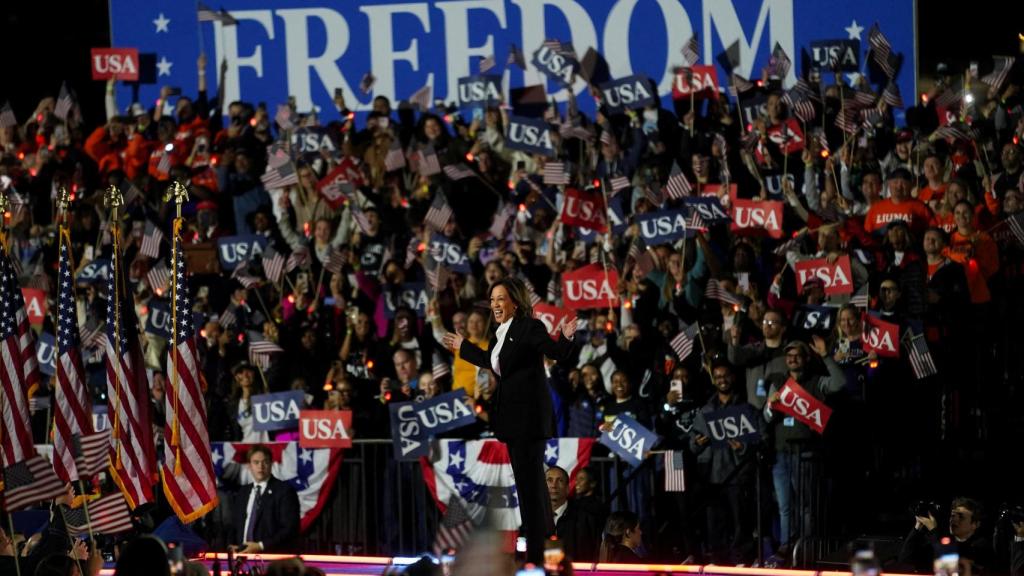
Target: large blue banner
{"x":309,"y":48}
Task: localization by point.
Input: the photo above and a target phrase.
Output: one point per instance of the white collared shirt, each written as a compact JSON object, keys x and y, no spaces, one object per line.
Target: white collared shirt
{"x":500,"y":335}
{"x":252,"y":500}
{"x":560,"y":510}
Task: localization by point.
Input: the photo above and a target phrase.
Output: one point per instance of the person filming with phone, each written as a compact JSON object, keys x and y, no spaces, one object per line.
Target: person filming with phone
{"x":522,"y":415}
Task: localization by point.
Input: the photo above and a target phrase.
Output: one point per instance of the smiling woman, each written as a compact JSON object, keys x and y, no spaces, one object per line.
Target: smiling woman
{"x":516,"y":357}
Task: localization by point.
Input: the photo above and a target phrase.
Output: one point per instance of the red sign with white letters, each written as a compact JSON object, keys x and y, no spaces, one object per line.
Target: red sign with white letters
{"x":117,"y":63}
{"x":836,"y":277}
{"x":881,"y":336}
{"x":325,"y":428}
{"x":590,"y":287}
{"x":803,"y":406}
{"x":551,"y":316}
{"x":757,"y":217}
{"x":35,"y":305}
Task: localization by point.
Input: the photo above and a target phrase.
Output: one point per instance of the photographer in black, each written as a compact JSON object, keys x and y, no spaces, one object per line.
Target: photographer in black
{"x":922,"y":544}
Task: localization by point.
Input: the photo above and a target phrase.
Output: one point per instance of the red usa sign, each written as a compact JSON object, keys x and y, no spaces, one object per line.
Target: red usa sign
{"x":343,"y":180}
{"x":325,"y":428}
{"x":803,"y":406}
{"x":586,"y":209}
{"x":590,"y":287}
{"x":787,"y":136}
{"x":35,"y":305}
{"x":836,"y":277}
{"x":757,"y":217}
{"x":716,"y":190}
{"x":700,"y":80}
{"x":118,"y":63}
{"x":881,"y":336}
{"x":551,"y":316}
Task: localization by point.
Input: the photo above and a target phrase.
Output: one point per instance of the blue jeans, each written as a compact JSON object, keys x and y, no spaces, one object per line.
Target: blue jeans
{"x":784,"y":479}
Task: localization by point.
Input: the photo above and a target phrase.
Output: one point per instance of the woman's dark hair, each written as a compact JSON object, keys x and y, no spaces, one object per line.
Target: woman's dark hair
{"x":144,"y":555}
{"x":57,"y":565}
{"x":615,"y":529}
{"x":517,"y":292}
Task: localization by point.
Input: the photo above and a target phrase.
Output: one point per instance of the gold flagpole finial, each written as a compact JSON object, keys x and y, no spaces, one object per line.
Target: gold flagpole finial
{"x":112,"y":197}
{"x":176,"y":192}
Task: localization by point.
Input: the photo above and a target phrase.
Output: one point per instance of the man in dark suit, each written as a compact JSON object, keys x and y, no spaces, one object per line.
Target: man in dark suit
{"x":265,"y":514}
{"x":577,"y":529}
{"x":522,"y":415}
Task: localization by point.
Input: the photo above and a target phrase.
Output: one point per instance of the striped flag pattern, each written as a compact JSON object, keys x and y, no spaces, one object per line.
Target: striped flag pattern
{"x":280,"y":169}
{"x":455,"y":527}
{"x":395,"y":158}
{"x":487,"y":64}
{"x":460,"y":171}
{"x":691,"y":51}
{"x":1016,"y":225}
{"x":439,"y":213}
{"x":90,"y":452}
{"x":891,"y":95}
{"x":188,"y":478}
{"x":158,"y":277}
{"x":16,"y":440}
{"x":30,"y":481}
{"x":677,"y":185}
{"x":132,"y":452}
{"x":683,"y":342}
{"x":881,"y":50}
{"x":74,"y":405}
{"x":1003,"y":64}
{"x":515,"y":56}
{"x":151,"y":240}
{"x":919,"y":355}
{"x":421,"y":97}
{"x":503,"y":221}
{"x":675,"y":480}
{"x":437,"y":279}
{"x":260,"y":351}
{"x":778,"y":63}
{"x":618,"y":183}
{"x":359,"y":217}
{"x":299,"y":258}
{"x":244,"y":277}
{"x":739,"y":84}
{"x":440,"y":368}
{"x":860,"y":298}
{"x":107,"y":515}
{"x":273,"y":264}
{"x":555,"y":173}
{"x":714,"y":291}
{"x":429,"y":165}
{"x":366,"y":82}
{"x":335,"y":261}
{"x":227,"y":319}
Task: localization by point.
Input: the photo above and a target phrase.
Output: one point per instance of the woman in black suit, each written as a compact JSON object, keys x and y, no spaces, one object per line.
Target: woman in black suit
{"x":522,"y":415}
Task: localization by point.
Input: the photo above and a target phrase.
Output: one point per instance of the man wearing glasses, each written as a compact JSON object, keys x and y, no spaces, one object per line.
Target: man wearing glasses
{"x":760,"y":358}
{"x":922,"y":544}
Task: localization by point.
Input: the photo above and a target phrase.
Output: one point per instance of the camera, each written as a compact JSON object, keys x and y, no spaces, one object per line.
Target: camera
{"x":923,"y":508}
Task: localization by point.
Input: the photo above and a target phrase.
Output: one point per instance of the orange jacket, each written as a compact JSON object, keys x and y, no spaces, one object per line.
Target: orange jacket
{"x":979,"y":256}
{"x":912,"y":211}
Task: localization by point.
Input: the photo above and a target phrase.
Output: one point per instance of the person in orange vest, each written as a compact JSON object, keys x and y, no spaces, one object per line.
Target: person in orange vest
{"x":975,"y":250}
{"x":900,"y":206}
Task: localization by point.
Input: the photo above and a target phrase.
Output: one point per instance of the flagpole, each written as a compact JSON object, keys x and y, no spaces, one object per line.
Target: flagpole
{"x":607,"y":222}
{"x":70,"y":537}
{"x":85,"y":507}
{"x":179,"y":194}
{"x":10,"y":516}
{"x":113,"y":199}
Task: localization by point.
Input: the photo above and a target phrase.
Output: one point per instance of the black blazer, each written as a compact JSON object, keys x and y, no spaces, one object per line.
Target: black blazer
{"x":277,"y":520}
{"x":580,"y":532}
{"x":522,"y":403}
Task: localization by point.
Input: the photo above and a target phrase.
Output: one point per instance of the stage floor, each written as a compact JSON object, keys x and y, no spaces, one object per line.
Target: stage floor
{"x":372,"y":565}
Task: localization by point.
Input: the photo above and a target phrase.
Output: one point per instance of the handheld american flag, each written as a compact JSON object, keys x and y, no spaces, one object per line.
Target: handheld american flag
{"x":683,"y":342}
{"x":677,"y":185}
{"x":691,"y":51}
{"x":7,"y":118}
{"x":151,"y":240}
{"x":108,"y":515}
{"x":455,"y":527}
{"x":16,"y":437}
{"x":439,"y":213}
{"x":131,"y":448}
{"x":188,"y":479}
{"x":675,"y":478}
{"x":556,"y":173}
{"x":74,"y":407}
{"x":28,"y":482}
{"x":920,"y":357}
{"x":1003,"y":64}
{"x":64,"y":102}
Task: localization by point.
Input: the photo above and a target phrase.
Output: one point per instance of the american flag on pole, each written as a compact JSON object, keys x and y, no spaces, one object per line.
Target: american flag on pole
{"x":714,"y":291}
{"x":74,"y":406}
{"x":682,"y":344}
{"x":691,"y":52}
{"x":1016,"y":225}
{"x":422,"y":97}
{"x":455,"y":527}
{"x":555,"y":173}
{"x":860,"y":298}
{"x":437,"y":278}
{"x":90,"y":452}
{"x":187,"y":468}
{"x":204,"y":14}
{"x":132,"y":451}
{"x":440,"y":368}
{"x":107,"y":515}
{"x":460,"y":171}
{"x":244,"y":276}
{"x":16,"y":439}
{"x":335,"y":261}
{"x":280,"y":169}
{"x":995,"y":79}
{"x":227,"y":318}
{"x":158,"y":277}
{"x":151,"y":240}
{"x":618,"y":183}
{"x":800,"y":104}
{"x":503,"y":221}
{"x":919,"y":356}
{"x":675,"y":479}
{"x":30,"y":481}
{"x":360,"y":218}
{"x":881,"y":50}
{"x":7,"y":118}
{"x":299,"y":258}
{"x":428,"y":162}
{"x":778,"y":63}
{"x":439,"y":213}
{"x":677,"y":185}
{"x":273,"y":264}
{"x":260,"y":350}
{"x":739,"y":84}
{"x":64,"y":102}
{"x":395,"y":158}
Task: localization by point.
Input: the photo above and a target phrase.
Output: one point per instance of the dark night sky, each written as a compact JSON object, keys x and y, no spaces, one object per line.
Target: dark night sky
{"x":43,"y":42}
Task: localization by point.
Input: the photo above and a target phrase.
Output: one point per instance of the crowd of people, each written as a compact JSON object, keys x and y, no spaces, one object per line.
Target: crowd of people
{"x":927,"y":214}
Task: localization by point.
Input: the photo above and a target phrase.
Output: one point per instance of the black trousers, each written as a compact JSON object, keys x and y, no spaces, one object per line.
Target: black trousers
{"x":527,"y":458}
